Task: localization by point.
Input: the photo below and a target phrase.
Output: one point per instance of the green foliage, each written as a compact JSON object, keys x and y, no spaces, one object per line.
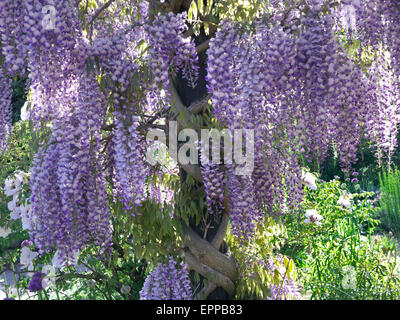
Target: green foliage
{"x":390,"y":200}
{"x":342,"y":258}
{"x":103,"y":277}
{"x":18,"y":157}
{"x":18,"y":97}
{"x":255,"y":279}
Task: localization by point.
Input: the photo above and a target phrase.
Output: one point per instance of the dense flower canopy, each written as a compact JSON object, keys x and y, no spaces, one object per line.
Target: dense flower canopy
{"x":288,"y":75}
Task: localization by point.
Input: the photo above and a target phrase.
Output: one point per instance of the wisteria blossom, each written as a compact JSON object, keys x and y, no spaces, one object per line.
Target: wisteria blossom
{"x":167,"y":282}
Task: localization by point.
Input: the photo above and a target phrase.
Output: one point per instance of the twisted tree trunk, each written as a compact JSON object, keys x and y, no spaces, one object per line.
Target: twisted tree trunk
{"x":205,"y":251}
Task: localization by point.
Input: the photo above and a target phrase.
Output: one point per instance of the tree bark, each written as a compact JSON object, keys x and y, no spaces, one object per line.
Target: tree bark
{"x":204,"y":255}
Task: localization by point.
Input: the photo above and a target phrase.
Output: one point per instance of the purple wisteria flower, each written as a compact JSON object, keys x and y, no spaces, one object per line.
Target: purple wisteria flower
{"x":36,"y":282}
{"x":167,"y":282}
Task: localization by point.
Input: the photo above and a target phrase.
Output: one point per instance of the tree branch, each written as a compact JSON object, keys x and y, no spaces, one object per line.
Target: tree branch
{"x":203,"y":46}
{"x":99,"y":11}
{"x":198,"y":106}
{"x":221,"y":233}
{"x":216,"y":277}
{"x":207,"y":254}
{"x":175,"y":5}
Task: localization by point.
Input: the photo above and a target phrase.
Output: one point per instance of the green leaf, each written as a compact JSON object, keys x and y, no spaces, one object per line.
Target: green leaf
{"x":192,"y":13}
{"x":200,"y":6}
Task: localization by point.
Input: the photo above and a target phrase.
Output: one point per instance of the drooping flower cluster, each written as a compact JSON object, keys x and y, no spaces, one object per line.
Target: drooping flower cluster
{"x":300,"y":92}
{"x":5,"y":110}
{"x":130,"y":165}
{"x":384,"y":119}
{"x":68,"y":187}
{"x":11,"y":30}
{"x":160,"y":192}
{"x":36,"y":282}
{"x":245,"y":94}
{"x":170,"y":50}
{"x":167,"y":282}
{"x":214,"y":187}
{"x":69,"y":205}
{"x":214,"y":181}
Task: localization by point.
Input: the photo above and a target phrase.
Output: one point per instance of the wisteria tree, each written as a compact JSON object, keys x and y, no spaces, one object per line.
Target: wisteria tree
{"x":302,"y":76}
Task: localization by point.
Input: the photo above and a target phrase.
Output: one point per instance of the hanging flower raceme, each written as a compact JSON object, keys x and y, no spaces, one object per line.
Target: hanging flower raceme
{"x":131,"y":168}
{"x":247,"y":94}
{"x":214,"y":184}
{"x":167,"y":282}
{"x":384,"y":117}
{"x":53,"y":40}
{"x":5,"y":110}
{"x":18,"y":210}
{"x":170,"y":50}
{"x":14,"y":50}
{"x":68,"y":187}
{"x":316,"y":63}
{"x":36,"y":282}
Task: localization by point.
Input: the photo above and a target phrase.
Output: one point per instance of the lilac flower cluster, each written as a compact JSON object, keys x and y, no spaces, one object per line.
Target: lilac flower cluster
{"x":214,"y":187}
{"x":384,"y":118}
{"x":167,"y":282}
{"x":11,"y":30}
{"x":131,"y":169}
{"x":69,"y":206}
{"x":316,"y":58}
{"x":36,"y":282}
{"x":5,"y":110}
{"x":161,"y":193}
{"x":300,"y":92}
{"x":68,"y":188}
{"x":250,"y":78}
{"x":170,"y":50}
{"x":214,"y":182}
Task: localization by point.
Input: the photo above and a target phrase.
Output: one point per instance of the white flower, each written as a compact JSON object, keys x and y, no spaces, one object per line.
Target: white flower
{"x":14,"y":207}
{"x":21,"y":176}
{"x":25,"y":217}
{"x":4,"y":232}
{"x":312,"y":216}
{"x":309,"y":180}
{"x":27,"y":257}
{"x":58,"y":263}
{"x":11,"y":187}
{"x":344,"y":201}
{"x":25,"y":111}
{"x":50,"y":276}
